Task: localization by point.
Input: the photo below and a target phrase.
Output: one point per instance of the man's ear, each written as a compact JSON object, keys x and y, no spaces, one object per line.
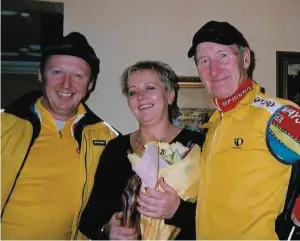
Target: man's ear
{"x":246,"y":58}
{"x":40,"y":75}
{"x":91,"y":85}
{"x":171,"y":97}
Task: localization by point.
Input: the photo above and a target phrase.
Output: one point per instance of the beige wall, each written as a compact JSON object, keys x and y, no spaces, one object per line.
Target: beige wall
{"x":125,"y":31}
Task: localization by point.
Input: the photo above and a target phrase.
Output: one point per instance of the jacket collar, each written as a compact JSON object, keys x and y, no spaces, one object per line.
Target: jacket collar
{"x":24,"y":108}
{"x":229,"y":103}
{"x":237,"y":104}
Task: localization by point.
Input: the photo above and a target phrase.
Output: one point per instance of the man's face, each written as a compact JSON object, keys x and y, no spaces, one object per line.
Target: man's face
{"x":222,"y":68}
{"x":67,"y":79}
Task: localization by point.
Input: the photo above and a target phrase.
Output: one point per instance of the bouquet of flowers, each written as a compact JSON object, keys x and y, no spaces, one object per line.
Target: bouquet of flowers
{"x":179,"y":166}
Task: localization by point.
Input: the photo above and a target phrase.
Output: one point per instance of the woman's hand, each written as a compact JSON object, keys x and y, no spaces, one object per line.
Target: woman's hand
{"x":156,"y":204}
{"x":117,"y":232}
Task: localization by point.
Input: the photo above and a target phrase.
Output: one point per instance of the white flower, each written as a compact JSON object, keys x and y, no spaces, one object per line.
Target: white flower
{"x":176,"y":156}
{"x":177,"y":146}
{"x":172,"y":153}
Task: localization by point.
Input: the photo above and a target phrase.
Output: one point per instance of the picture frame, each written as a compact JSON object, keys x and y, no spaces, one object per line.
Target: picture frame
{"x":193,"y":118}
{"x":288,"y":75}
{"x":27,"y":27}
{"x":190,"y":82}
{"x":194,"y":103}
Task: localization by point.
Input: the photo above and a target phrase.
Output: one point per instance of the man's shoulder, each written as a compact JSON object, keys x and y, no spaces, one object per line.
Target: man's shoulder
{"x":100,"y":124}
{"x":10,"y":119}
{"x":282,"y":129}
{"x":11,"y":123}
{"x":282,"y":100}
{"x":100,"y":129}
{"x":21,"y":107}
{"x":270,"y":103}
{"x":92,"y":120}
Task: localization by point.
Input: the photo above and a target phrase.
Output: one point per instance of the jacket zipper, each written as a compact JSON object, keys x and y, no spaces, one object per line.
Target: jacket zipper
{"x":206,"y":172}
{"x":82,"y":194}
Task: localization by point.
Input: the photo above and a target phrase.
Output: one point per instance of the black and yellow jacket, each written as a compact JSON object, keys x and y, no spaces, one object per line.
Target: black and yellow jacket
{"x":20,"y":126}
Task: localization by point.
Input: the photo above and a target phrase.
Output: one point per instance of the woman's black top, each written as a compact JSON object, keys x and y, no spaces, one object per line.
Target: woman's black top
{"x":111,"y":177}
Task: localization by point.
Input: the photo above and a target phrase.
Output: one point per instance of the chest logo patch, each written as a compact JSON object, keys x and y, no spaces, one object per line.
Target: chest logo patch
{"x":238,"y":142}
{"x":99,"y":142}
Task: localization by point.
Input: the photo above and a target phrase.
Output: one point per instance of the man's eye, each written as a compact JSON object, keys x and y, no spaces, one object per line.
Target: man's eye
{"x":203,"y":61}
{"x":56,"y":72}
{"x":222,"y":55}
{"x":79,"y":76}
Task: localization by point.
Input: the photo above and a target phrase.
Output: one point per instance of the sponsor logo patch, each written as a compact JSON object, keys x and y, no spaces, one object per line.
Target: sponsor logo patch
{"x":99,"y":142}
{"x":229,"y":103}
{"x":268,"y":104}
{"x":288,"y":120}
{"x":283,"y":134}
{"x":238,"y":142}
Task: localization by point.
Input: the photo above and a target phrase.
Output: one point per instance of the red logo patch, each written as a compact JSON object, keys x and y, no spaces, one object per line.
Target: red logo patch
{"x":288,"y":120}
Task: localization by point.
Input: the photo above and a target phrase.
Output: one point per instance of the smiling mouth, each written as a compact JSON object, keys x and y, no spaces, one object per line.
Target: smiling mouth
{"x":143,"y":107}
{"x":219,"y":80}
{"x":65,"y":95}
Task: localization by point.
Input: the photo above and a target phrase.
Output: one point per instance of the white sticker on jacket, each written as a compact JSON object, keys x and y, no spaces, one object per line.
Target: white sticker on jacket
{"x":269,"y":104}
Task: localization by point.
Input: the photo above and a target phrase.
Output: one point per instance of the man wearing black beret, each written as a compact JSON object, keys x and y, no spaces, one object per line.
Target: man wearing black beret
{"x":250,"y":166}
{"x":51,"y":144}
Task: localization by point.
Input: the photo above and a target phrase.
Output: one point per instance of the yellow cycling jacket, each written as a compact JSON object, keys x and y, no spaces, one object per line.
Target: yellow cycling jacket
{"x":243,"y":186}
{"x":19,"y":129}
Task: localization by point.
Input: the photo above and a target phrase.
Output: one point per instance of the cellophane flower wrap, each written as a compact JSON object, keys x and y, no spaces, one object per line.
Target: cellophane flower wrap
{"x":179,"y":166}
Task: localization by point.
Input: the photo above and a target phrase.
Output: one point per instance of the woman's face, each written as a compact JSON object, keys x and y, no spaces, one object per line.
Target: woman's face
{"x":148,"y":97}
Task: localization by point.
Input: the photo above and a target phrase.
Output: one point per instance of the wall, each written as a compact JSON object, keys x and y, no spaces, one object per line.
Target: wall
{"x":14,"y":86}
{"x":125,"y":31}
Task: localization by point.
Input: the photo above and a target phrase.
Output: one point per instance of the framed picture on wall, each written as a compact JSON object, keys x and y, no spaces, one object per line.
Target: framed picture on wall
{"x":26,"y":27}
{"x":288,"y":75}
{"x":194,"y":103}
{"x":190,"y":82}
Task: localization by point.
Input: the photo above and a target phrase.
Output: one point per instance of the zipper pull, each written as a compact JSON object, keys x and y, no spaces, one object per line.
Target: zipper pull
{"x":60,"y":134}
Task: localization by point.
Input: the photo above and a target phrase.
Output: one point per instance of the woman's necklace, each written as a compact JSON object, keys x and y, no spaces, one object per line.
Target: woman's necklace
{"x":139,"y":142}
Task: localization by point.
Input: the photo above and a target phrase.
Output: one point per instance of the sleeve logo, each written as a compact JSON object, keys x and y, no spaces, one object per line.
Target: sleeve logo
{"x":283,"y":134}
